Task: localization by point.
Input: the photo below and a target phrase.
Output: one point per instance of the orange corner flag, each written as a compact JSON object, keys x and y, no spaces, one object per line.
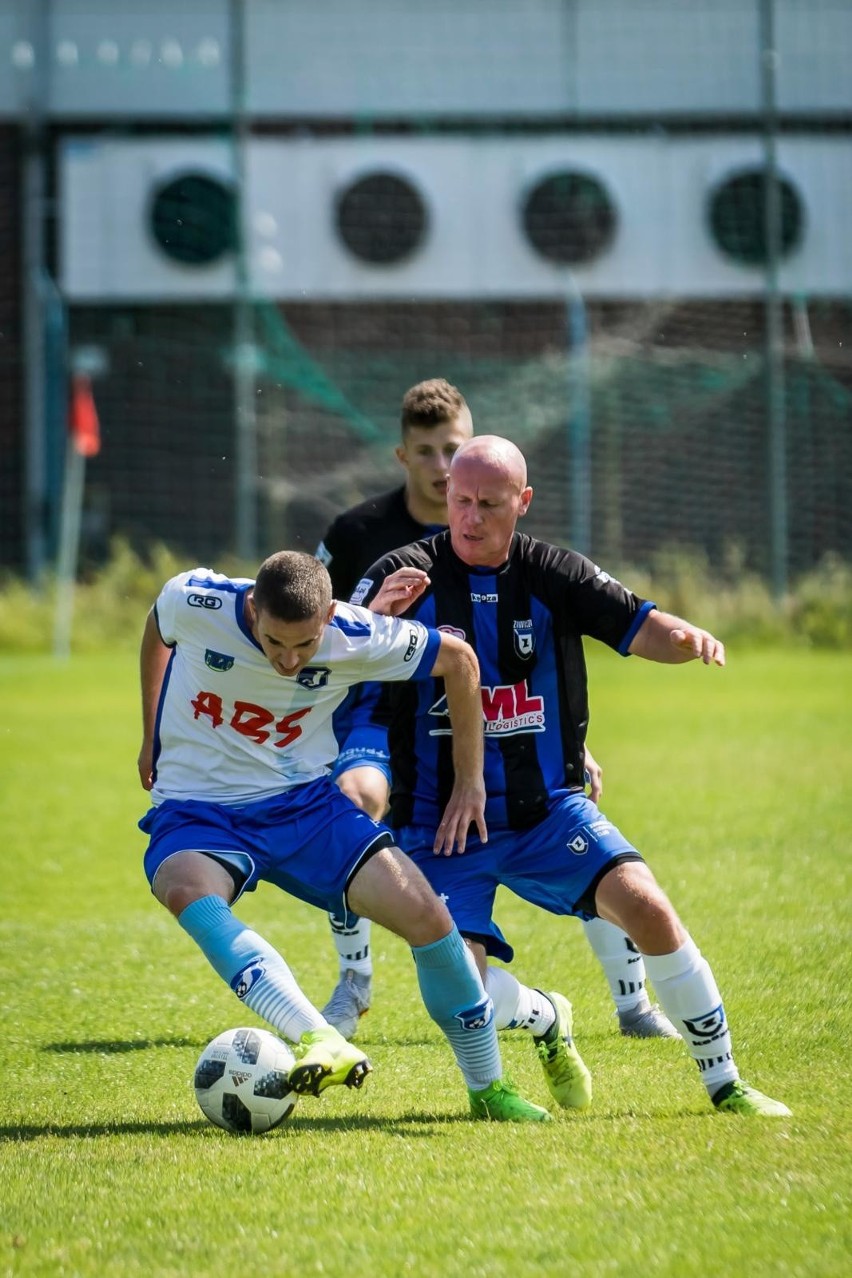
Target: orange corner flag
{"x":83,"y":417}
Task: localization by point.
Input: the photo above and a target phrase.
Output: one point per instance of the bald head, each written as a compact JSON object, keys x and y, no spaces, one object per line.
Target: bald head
{"x":493,"y":456}
{"x":487,"y":495}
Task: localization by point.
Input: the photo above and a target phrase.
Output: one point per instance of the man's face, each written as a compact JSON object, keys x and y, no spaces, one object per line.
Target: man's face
{"x":426,"y":453}
{"x":288,"y":645}
{"x":484,"y":505}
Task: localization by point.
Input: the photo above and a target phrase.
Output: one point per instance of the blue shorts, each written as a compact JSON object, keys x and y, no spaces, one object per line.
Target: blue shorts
{"x":364,"y":747}
{"x":556,"y":864}
{"x":308,"y":841}
{"x":361,"y":732}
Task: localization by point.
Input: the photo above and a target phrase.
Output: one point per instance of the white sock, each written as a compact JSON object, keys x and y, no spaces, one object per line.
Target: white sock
{"x":351,"y":936}
{"x":517,"y":1006}
{"x":690,"y":998}
{"x":623,"y":965}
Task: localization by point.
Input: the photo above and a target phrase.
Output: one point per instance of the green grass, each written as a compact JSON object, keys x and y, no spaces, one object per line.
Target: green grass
{"x":735,"y":784}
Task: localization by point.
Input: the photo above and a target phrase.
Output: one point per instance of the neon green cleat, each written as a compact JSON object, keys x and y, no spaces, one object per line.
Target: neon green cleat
{"x":739,"y":1098}
{"x":501,"y":1103}
{"x":565,"y":1071}
{"x":323,"y":1059}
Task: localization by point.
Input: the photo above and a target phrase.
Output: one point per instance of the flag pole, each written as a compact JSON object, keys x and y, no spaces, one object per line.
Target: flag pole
{"x":84,"y":441}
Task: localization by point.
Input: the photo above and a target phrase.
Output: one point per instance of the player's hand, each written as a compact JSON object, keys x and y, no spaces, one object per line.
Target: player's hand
{"x":399,"y":591}
{"x":594,"y":776}
{"x":465,"y":808}
{"x":145,"y":764}
{"x":698,"y":644}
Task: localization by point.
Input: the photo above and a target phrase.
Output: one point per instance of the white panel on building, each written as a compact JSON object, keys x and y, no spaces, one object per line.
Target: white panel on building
{"x":107,"y":249}
{"x":471,"y":192}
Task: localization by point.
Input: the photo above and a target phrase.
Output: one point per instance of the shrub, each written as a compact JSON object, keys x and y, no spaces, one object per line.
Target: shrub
{"x":110,"y":606}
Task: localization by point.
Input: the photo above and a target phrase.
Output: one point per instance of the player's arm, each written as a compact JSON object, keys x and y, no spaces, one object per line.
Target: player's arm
{"x":153,"y":660}
{"x":594,"y":776}
{"x":671,"y":640}
{"x":457,"y":665}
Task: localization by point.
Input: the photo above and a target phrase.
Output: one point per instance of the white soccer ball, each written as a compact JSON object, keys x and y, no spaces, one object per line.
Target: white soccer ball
{"x":241,"y":1080}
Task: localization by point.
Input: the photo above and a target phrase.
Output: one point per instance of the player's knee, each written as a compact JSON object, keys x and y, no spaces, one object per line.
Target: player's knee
{"x":189,"y":876}
{"x":429,"y":919}
{"x":366,"y":787}
{"x":631,"y":897}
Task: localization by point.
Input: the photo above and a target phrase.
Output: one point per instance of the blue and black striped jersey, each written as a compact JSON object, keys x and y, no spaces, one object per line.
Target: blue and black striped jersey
{"x":526,"y":622}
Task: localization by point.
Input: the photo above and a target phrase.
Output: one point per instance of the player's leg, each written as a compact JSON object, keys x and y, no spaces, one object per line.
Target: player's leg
{"x":549,"y":1017}
{"x":362,"y":773}
{"x":624,"y":969}
{"x":198,"y":889}
{"x":391,"y":890}
{"x":368,"y":786}
{"x":630,"y":897}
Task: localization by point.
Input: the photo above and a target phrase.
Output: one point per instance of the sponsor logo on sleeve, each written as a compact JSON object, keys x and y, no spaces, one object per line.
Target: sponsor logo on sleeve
{"x":359,"y":594}
{"x":413,"y":644}
{"x":211,"y":602}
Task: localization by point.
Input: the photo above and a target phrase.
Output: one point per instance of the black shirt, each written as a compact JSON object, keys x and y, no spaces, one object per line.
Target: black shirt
{"x":361,"y":535}
{"x":526,"y":621}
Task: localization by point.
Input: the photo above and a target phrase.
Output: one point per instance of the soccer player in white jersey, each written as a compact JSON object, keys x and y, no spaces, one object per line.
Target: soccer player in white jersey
{"x":239,"y":682}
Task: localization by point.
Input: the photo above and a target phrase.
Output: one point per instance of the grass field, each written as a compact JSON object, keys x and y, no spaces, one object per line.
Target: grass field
{"x":735,"y":784}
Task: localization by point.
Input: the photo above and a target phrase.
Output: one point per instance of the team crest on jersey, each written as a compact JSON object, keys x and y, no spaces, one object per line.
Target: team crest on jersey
{"x":210,"y":602}
{"x":313,"y":676}
{"x":451,"y":630}
{"x":524,"y":639}
{"x":218,"y":660}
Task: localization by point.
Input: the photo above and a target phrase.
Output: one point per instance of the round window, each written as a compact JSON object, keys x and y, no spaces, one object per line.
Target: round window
{"x":194,"y":218}
{"x":381,"y":218}
{"x":569,"y":217}
{"x":738,"y":217}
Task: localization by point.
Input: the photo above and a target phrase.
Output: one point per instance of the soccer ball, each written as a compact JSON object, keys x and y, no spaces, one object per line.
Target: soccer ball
{"x":241,"y":1081}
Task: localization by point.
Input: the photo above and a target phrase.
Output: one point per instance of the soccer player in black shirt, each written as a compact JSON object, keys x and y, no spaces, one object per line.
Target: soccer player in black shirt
{"x":524,"y":606}
{"x":435,"y":421}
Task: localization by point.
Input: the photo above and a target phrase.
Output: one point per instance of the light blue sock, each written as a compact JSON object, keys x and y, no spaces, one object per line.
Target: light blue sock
{"x":255,"y":971}
{"x":457,"y":1002}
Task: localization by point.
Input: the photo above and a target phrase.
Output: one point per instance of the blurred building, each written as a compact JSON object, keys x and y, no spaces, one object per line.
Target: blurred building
{"x":621,"y":226}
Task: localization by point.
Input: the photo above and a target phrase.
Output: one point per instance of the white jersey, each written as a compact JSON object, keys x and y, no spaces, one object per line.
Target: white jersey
{"x":230,"y":729}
